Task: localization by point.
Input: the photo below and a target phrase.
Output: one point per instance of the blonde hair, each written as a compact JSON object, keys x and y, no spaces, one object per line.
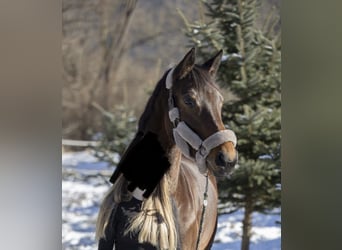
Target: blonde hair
{"x":113,"y":197}
{"x":155,"y":222}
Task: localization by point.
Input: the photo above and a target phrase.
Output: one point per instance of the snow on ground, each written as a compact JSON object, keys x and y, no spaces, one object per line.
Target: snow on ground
{"x":83,"y":189}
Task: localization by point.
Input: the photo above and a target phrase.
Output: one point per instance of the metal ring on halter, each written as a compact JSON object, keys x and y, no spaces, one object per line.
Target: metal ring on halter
{"x":202,"y":151}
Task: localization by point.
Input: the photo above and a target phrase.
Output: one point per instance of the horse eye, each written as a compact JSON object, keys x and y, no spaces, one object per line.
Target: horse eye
{"x":189,"y":101}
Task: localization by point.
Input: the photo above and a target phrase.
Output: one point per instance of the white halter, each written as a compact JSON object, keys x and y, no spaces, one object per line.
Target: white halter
{"x":185,"y":136}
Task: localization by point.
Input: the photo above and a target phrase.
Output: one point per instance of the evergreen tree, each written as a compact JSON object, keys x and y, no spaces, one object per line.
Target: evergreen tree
{"x":119,"y":130}
{"x":250,"y":69}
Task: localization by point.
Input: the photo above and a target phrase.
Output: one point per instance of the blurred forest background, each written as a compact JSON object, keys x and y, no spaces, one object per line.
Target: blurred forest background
{"x":115,"y":51}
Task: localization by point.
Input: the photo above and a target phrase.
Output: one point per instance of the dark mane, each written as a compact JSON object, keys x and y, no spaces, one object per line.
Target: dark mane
{"x":150,"y":106}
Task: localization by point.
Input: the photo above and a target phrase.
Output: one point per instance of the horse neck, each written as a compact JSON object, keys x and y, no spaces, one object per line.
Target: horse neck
{"x":175,"y":158}
{"x":184,"y":170}
{"x":156,"y":117}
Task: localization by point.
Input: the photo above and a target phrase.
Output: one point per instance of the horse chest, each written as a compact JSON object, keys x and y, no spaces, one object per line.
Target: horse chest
{"x":190,"y":200}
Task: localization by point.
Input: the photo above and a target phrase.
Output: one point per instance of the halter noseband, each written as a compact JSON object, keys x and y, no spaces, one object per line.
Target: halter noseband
{"x":185,"y":136}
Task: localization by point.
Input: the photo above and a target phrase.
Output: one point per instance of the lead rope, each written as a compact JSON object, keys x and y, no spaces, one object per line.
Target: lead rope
{"x":204,"y":206}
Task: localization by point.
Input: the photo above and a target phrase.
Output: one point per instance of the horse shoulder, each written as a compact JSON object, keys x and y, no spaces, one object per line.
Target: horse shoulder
{"x":189,"y":199}
{"x":210,"y":216}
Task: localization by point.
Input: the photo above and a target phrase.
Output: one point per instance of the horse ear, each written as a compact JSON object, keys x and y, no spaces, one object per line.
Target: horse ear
{"x":186,"y":65}
{"x":213,"y":64}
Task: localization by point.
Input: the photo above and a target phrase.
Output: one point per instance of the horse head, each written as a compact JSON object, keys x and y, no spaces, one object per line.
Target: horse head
{"x":195,"y":104}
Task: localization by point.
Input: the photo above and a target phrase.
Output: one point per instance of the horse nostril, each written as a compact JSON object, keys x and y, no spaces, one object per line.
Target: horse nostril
{"x":223,"y":160}
{"x":220,"y":159}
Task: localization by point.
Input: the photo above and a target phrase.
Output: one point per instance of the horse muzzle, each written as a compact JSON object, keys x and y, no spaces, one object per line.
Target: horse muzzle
{"x":223,"y":159}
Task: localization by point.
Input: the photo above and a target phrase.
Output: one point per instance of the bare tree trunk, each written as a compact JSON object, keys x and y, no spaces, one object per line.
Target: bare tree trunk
{"x":88,"y":82}
{"x":247,"y":224}
{"x":113,"y":45}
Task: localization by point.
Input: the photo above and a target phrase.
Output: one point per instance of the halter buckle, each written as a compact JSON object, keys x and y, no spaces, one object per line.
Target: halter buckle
{"x":171,"y":102}
{"x":202,"y":151}
{"x":175,"y":122}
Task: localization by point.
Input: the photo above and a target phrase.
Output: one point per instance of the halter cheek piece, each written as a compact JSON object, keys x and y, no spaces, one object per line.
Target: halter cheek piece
{"x":185,"y":136}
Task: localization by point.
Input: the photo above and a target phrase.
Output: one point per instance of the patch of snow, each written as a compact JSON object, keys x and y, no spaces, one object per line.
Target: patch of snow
{"x":85,"y":160}
{"x":266,"y":232}
{"x":80,"y":205}
{"x":82,"y":195}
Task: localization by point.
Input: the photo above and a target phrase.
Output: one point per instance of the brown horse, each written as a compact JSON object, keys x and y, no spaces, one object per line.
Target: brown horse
{"x":164,"y":193}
